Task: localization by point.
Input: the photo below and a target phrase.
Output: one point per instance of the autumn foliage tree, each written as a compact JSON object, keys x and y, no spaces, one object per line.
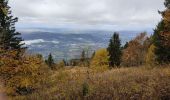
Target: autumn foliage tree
{"x":161,"y":37}
{"x":134,"y":54}
{"x":150,"y":56}
{"x":100,"y":61}
{"x":21,"y":76}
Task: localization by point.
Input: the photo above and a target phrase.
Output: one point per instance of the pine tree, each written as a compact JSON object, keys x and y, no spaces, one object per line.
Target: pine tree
{"x":126,"y":45}
{"x":114,"y":50}
{"x":50,"y":61}
{"x":161,"y":37}
{"x":9,"y":38}
{"x":83,"y":56}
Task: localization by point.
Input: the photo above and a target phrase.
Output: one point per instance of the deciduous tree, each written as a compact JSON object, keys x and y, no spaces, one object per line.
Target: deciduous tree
{"x":100,"y":59}
{"x":134,"y":54}
{"x":150,"y":56}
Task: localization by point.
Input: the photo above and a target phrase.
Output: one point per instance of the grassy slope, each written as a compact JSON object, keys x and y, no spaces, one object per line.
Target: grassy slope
{"x":120,"y":84}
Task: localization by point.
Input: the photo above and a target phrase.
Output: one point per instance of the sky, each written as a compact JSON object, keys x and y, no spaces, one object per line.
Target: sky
{"x":87,"y":14}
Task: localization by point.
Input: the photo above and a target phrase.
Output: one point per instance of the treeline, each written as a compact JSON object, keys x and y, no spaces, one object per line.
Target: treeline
{"x":23,"y":73}
{"x":142,"y":50}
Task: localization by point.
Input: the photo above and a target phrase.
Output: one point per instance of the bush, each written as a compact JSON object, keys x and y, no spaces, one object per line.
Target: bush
{"x":85,"y":89}
{"x":61,"y":64}
{"x":21,"y":75}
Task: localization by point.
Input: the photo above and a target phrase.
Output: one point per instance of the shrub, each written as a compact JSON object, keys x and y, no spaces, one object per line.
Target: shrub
{"x":85,"y":89}
{"x":22,"y":75}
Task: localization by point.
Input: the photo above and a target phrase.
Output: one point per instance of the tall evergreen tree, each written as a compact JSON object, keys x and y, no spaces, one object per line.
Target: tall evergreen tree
{"x":114,"y":50}
{"x":9,"y":38}
{"x":50,"y":61}
{"x":161,"y":37}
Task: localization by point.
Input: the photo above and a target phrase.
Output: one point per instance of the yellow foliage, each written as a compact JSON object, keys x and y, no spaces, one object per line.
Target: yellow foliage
{"x":166,"y":16}
{"x":116,"y":84}
{"x":150,"y":56}
{"x":100,"y":60}
{"x":25,"y":72}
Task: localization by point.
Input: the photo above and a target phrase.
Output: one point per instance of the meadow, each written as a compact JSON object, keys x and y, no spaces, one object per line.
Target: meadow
{"x":142,"y":83}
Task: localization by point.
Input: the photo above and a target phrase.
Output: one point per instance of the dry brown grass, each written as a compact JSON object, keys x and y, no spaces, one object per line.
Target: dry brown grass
{"x":116,"y":84}
{"x":2,"y":91}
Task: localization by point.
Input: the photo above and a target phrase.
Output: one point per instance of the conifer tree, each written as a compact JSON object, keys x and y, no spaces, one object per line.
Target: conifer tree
{"x":167,"y":4}
{"x":114,"y":50}
{"x":50,"y":61}
{"x":161,"y":37}
{"x":65,"y":62}
{"x":83,"y":57}
{"x":126,"y":45}
{"x":9,"y":38}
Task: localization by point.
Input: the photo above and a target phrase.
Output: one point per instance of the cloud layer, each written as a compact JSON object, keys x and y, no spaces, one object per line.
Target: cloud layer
{"x":86,"y":13}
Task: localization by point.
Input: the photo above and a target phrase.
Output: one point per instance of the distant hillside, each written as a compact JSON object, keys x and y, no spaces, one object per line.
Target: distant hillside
{"x":69,"y":45}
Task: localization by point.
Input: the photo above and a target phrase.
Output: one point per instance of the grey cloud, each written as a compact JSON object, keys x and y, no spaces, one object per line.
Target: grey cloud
{"x":142,"y":13}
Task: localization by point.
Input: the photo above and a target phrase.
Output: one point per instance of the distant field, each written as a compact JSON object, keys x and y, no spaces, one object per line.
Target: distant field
{"x":116,"y":84}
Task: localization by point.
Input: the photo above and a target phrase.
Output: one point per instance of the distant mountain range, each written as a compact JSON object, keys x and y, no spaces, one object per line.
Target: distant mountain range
{"x":68,"y":45}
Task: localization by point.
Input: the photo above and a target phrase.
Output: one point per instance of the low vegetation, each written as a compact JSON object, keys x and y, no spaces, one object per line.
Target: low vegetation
{"x":140,"y":70}
{"x":119,"y":84}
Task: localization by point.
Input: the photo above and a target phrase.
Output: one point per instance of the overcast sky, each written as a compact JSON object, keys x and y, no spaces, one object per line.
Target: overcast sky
{"x":80,"y":14}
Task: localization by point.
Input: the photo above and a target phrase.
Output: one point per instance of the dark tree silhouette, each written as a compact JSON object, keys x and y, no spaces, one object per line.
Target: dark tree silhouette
{"x":161,"y":37}
{"x":50,"y":61}
{"x":9,"y":38}
{"x":114,"y":50}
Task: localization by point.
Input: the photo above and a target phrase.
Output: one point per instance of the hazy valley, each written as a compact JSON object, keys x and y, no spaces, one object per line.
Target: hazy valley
{"x":69,"y":45}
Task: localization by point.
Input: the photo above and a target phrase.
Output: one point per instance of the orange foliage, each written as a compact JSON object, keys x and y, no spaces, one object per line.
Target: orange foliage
{"x":19,"y":73}
{"x":134,"y":54}
{"x":166,"y":38}
{"x":166,"y":32}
